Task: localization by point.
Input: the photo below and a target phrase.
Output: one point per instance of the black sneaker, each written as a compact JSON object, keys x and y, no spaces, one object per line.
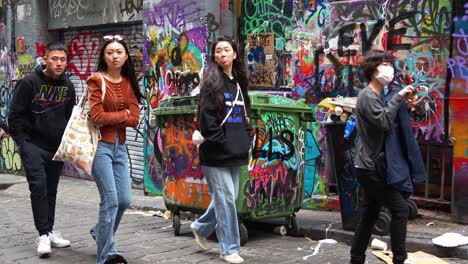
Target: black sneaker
{"x":115,"y":259}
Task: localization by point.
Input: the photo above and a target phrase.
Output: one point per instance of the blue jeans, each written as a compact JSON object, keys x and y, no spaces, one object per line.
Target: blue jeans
{"x":111,"y":173}
{"x":221,"y":214}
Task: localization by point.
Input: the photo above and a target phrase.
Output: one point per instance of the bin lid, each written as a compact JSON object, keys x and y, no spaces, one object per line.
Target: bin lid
{"x":259,"y":102}
{"x":176,"y":105}
{"x":268,"y":102}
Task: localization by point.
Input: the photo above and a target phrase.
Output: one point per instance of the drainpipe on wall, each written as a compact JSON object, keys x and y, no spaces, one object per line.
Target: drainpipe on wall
{"x":448,"y":81}
{"x":12,"y":5}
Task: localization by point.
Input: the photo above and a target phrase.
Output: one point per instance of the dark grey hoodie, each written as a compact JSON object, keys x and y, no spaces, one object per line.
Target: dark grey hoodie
{"x":373,"y":120}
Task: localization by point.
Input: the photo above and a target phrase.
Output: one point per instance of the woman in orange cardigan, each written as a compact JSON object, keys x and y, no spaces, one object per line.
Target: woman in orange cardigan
{"x":118,"y":110}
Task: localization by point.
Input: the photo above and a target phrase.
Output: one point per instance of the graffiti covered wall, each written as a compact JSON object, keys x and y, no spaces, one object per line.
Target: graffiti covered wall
{"x":458,"y":113}
{"x":78,"y":13}
{"x":178,"y":36}
{"x":173,"y":60}
{"x":18,"y":57}
{"x":318,"y":46}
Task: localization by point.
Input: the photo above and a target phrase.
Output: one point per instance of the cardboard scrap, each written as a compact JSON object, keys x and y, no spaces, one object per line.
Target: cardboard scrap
{"x":416,"y":257}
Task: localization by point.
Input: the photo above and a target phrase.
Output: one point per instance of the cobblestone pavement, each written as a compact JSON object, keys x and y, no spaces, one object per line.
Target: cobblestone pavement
{"x":141,"y":238}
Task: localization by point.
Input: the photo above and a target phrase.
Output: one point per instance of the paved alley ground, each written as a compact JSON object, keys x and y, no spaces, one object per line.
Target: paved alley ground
{"x":142,"y":238}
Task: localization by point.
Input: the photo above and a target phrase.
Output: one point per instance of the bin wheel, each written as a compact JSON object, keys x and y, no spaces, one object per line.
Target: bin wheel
{"x":176,"y":223}
{"x":413,"y":209}
{"x":293,"y":228}
{"x":244,"y":234}
{"x":382,"y":225}
{"x":386,"y":210}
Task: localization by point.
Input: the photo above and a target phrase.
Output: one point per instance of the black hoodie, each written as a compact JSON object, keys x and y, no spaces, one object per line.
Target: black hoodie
{"x":40,"y":109}
{"x":226,"y":146}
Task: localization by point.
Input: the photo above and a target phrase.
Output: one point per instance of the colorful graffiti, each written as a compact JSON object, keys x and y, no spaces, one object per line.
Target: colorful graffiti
{"x":260,"y":59}
{"x":86,"y":12}
{"x":10,"y":160}
{"x":275,"y":183}
{"x":179,"y":152}
{"x":319,"y":45}
{"x":25,"y":65}
{"x":458,"y":114}
{"x":10,"y":156}
{"x":173,"y":60}
{"x":81,"y":49}
{"x":182,"y":174}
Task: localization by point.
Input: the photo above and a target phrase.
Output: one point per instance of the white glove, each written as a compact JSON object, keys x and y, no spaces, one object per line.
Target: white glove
{"x":197,"y":138}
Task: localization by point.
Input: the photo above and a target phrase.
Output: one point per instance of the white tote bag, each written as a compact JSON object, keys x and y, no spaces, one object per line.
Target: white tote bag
{"x":80,"y":139}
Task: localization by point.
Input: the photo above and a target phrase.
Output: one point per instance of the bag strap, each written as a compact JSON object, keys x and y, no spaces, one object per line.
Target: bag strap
{"x":197,"y":112}
{"x":83,"y":100}
{"x":103,"y":85}
{"x":234,"y":104}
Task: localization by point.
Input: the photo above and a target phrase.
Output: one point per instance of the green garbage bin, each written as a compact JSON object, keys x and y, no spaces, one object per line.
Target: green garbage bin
{"x":271,"y":185}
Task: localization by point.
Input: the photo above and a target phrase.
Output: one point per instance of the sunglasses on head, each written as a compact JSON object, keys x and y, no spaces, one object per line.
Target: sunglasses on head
{"x":114,"y":37}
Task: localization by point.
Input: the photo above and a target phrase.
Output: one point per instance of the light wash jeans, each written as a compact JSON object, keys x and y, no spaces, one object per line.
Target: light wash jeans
{"x":221,"y":214}
{"x":110,"y":171}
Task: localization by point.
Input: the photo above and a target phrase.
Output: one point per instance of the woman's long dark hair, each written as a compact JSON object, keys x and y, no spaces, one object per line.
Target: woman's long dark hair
{"x":128,"y":70}
{"x":213,"y":80}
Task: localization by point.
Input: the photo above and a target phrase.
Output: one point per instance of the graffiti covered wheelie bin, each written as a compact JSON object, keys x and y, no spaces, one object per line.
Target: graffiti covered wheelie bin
{"x":271,"y":185}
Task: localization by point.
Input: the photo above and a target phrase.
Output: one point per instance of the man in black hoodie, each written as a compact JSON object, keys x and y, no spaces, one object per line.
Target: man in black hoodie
{"x":39,"y":112}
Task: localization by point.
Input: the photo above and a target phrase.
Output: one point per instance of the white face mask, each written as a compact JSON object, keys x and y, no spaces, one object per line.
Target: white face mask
{"x":385,"y":74}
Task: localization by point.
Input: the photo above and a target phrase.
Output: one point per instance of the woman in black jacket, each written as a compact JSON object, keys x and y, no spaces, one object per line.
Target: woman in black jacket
{"x":223,"y":123}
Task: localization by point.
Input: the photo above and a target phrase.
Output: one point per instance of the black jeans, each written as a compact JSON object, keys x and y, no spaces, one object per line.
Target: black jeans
{"x":376,"y":193}
{"x":42,"y":174}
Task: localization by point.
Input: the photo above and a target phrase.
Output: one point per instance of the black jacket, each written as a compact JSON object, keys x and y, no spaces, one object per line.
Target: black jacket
{"x":40,"y":109}
{"x":405,"y":164}
{"x":226,"y":146}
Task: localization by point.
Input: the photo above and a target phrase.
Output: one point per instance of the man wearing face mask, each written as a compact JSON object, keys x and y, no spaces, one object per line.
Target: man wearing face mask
{"x":374,"y":118}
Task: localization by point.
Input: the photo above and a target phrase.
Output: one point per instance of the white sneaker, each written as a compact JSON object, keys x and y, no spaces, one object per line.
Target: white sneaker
{"x":56,"y":240}
{"x":201,"y":241}
{"x":233,"y":258}
{"x":408,"y":261}
{"x":43,"y":246}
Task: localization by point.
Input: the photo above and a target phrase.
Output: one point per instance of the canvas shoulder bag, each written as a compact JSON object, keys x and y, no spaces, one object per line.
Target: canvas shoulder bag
{"x":80,"y":138}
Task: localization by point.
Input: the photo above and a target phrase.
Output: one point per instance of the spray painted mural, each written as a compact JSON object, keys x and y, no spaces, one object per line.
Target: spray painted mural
{"x":183,"y":182}
{"x":270,"y":185}
{"x":76,"y":13}
{"x":10,"y":161}
{"x":458,"y":114}
{"x":275,"y":178}
{"x":318,"y":46}
{"x":174,"y":52}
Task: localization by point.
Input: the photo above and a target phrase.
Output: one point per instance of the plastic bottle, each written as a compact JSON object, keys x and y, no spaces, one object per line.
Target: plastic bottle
{"x":350,"y":126}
